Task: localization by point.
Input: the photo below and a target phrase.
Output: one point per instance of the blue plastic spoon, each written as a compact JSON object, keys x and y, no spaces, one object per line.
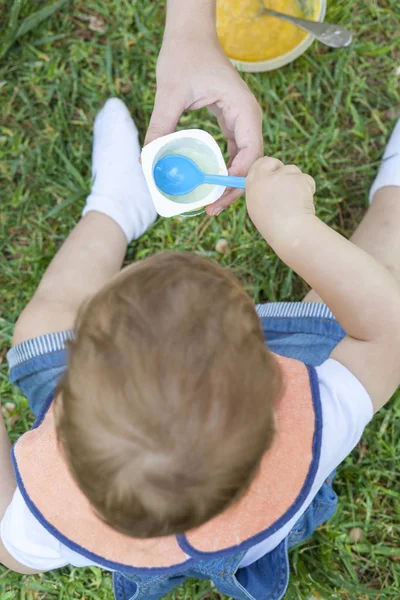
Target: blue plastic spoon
{"x":177,"y":175}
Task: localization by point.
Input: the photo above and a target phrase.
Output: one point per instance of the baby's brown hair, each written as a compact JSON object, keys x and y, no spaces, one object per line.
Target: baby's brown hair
{"x":167,"y":405}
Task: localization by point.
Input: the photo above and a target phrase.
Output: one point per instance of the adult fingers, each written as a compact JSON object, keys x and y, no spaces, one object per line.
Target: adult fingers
{"x":242,"y":125}
{"x":166,"y":114}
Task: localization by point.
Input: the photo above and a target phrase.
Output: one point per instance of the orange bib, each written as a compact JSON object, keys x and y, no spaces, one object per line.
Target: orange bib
{"x":284,"y":479}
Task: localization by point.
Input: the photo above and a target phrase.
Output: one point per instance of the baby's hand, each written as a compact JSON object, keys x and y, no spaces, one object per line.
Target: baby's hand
{"x":277,"y":197}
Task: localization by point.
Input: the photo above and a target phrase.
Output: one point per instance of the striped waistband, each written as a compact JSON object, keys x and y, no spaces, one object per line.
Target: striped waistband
{"x":37,"y":347}
{"x":293,"y":310}
{"x":54,"y":342}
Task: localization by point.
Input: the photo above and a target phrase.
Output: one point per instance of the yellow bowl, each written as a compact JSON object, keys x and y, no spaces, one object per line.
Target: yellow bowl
{"x":284,"y":59}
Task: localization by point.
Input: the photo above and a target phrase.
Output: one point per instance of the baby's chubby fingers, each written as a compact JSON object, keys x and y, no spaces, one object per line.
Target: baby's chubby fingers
{"x":305,"y":178}
{"x":310,"y":182}
{"x":264,"y":166}
{"x":276,"y":195}
{"x":268,"y":166}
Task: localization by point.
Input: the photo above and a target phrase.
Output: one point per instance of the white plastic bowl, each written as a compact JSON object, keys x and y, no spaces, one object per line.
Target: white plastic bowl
{"x":181,"y":142}
{"x":288,"y":57}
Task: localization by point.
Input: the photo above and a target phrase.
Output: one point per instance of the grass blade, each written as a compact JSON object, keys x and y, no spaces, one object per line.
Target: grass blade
{"x":9,"y":34}
{"x":60,"y":207}
{"x":34,"y":19}
{"x":14,"y":14}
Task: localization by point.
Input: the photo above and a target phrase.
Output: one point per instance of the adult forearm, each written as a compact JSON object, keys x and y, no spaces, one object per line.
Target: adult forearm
{"x":191,"y":18}
{"x":362,"y":294}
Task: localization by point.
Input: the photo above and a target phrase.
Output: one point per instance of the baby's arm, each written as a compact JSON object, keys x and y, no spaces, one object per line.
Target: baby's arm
{"x":362,"y":294}
{"x":88,"y":259}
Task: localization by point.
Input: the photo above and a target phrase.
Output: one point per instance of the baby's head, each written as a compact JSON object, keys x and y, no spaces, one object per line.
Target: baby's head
{"x":167,"y":406}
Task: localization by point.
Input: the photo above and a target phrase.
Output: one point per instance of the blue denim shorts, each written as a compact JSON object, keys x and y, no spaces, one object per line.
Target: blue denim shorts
{"x":301,"y":330}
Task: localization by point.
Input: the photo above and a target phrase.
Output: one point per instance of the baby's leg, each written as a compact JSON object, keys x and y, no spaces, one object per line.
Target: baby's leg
{"x":118,"y":209}
{"x":379,"y":231}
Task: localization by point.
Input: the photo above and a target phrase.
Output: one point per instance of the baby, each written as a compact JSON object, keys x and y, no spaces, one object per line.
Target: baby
{"x":181,"y":431}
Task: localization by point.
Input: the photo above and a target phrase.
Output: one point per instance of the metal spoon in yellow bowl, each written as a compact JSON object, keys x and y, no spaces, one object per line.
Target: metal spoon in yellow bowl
{"x":329,"y":34}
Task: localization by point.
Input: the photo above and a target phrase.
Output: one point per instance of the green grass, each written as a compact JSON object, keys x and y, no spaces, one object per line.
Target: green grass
{"x":330,"y":112}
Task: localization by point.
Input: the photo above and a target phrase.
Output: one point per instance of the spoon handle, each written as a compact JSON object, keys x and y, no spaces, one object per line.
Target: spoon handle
{"x":234,"y":182}
{"x":329,"y":34}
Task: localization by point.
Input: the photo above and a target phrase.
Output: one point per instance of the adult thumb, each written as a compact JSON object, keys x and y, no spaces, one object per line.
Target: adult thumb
{"x":165,"y":117}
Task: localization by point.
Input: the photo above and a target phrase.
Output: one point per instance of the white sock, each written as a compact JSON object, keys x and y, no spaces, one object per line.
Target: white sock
{"x":389,"y":171}
{"x":119,"y":189}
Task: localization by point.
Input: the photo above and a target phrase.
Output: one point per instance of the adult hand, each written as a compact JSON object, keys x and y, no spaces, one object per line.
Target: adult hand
{"x":193,"y":72}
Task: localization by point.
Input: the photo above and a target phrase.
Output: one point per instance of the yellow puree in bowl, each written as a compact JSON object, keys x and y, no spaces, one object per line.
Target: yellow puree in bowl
{"x":244,"y":36}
